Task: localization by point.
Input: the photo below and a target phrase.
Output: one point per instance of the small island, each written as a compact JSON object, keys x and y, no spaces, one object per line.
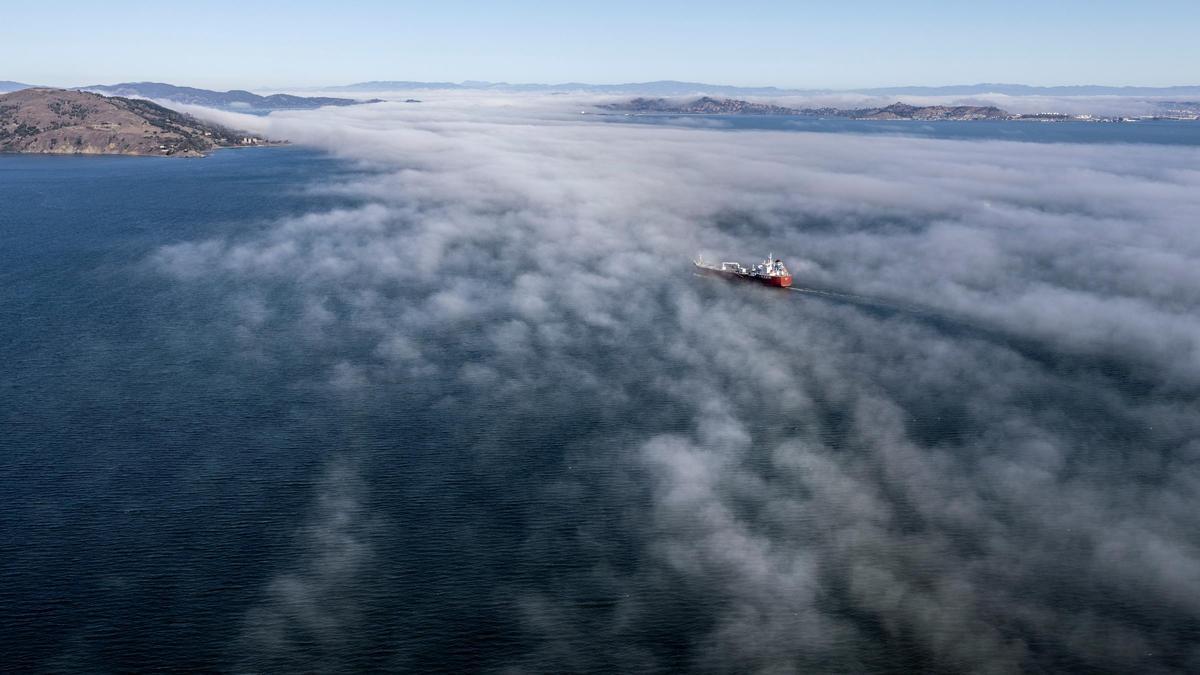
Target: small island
{"x":65,"y":122}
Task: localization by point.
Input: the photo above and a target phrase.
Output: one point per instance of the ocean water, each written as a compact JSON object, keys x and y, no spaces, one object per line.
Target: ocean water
{"x":128,"y":469}
{"x":245,"y":429}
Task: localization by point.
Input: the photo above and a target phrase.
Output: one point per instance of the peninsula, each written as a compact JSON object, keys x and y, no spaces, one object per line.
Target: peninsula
{"x":64,"y":122}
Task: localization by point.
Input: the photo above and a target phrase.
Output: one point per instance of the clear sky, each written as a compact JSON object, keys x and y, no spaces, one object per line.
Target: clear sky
{"x":846,"y":44}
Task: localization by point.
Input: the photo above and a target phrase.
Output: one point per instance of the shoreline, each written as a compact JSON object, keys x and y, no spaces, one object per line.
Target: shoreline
{"x":205,"y":154}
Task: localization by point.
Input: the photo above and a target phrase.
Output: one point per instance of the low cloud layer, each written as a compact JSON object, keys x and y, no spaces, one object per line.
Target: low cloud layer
{"x":1029,"y":103}
{"x":968,"y":442}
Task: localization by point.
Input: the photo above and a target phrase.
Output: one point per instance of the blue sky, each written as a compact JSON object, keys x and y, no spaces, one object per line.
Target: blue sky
{"x":755,"y":42}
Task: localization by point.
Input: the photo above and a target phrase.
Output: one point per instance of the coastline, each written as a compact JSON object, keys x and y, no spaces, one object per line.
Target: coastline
{"x":206,"y":153}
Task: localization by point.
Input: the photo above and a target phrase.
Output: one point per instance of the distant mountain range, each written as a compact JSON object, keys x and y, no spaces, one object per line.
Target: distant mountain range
{"x":1027,"y":90}
{"x":9,"y":85}
{"x":237,"y":99}
{"x":660,"y":88}
{"x":244,"y":100}
{"x":68,"y":122}
{"x":676,"y":88}
{"x":227,"y":100}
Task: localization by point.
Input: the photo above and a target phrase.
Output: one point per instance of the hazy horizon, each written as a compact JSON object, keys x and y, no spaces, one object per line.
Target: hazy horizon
{"x":761,"y":43}
{"x":517,"y":82}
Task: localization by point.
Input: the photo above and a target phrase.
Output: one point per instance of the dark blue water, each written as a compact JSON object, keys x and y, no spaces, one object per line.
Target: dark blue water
{"x":186,"y":486}
{"x":159,"y":475}
{"x":133,"y":527}
{"x":1164,"y":132}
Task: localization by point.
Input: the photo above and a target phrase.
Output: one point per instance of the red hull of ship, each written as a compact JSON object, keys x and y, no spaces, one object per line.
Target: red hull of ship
{"x":778,"y":282}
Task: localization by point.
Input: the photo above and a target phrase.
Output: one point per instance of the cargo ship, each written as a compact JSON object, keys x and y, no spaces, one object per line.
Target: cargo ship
{"x":770,"y":272}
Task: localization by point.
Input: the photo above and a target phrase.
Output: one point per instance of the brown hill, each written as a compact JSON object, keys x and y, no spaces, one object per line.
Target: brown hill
{"x":58,"y":121}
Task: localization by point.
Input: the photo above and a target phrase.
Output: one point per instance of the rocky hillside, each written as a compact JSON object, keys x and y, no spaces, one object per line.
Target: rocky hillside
{"x":58,"y":121}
